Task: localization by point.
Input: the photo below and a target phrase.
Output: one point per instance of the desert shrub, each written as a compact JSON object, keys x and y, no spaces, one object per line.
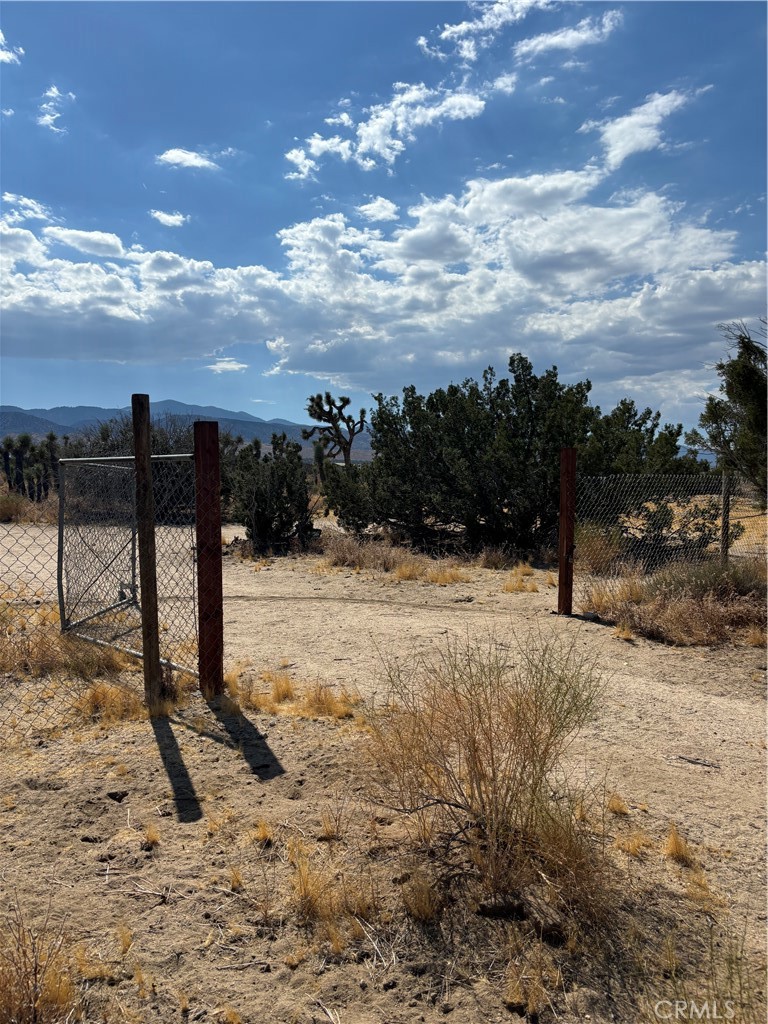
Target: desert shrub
{"x":271,"y":496}
{"x":744,"y":577}
{"x":348,"y":493}
{"x":12,"y":507}
{"x":700,"y":603}
{"x":469,"y":747}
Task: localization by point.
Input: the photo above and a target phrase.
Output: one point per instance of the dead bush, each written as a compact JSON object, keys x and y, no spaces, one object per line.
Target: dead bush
{"x":469,"y":746}
{"x":37,"y":985}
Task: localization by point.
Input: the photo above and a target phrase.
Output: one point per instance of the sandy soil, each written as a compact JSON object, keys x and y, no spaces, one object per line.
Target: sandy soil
{"x":201,"y":924}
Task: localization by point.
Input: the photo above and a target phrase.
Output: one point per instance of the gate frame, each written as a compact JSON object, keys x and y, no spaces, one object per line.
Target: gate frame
{"x":207,"y":551}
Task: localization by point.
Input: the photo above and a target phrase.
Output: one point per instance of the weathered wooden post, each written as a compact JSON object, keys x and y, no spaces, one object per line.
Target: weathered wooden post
{"x":145,"y":527}
{"x":210,"y":611}
{"x":725,"y":518}
{"x":565,"y":546}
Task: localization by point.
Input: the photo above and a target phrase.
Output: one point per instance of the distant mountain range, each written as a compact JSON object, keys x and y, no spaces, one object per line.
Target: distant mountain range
{"x":73,"y":419}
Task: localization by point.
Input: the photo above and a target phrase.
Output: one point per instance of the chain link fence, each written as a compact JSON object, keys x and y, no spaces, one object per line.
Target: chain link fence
{"x":640,"y":539}
{"x":70,"y":599}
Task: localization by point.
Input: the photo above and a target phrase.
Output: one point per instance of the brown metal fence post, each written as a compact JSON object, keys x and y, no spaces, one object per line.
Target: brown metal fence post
{"x":725,"y":518}
{"x":209,"y":572}
{"x":145,"y":526}
{"x":565,"y":547}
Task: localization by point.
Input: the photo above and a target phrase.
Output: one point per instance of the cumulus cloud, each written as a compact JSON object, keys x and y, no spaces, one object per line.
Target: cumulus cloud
{"x":170,"y":220}
{"x":9,"y":54}
{"x":51,"y":107}
{"x":7,"y":112}
{"x":588,"y":32}
{"x":96,"y":243}
{"x":604,"y":282}
{"x":21,"y":208}
{"x":305,"y":166}
{"x":187,"y":158}
{"x":379,"y":208}
{"x":383,"y":134}
{"x":638,"y":131}
{"x":226,"y":364}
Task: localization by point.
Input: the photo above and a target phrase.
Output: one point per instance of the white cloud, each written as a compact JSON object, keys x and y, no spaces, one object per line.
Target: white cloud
{"x":318,"y":146}
{"x":9,"y":55}
{"x":305,"y":167}
{"x":505,"y":83}
{"x":379,"y":208}
{"x":469,"y":37}
{"x":638,"y":131}
{"x":382,"y":137}
{"x":50,"y":109}
{"x":187,"y":158}
{"x":7,"y":112}
{"x":604,"y":287}
{"x":96,"y":243}
{"x":226,"y":364}
{"x":588,"y":32}
{"x":170,"y":220}
{"x":23,"y":208}
{"x":342,"y":119}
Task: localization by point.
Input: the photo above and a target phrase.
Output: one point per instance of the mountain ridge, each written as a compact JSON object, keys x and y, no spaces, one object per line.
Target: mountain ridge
{"x":73,"y":419}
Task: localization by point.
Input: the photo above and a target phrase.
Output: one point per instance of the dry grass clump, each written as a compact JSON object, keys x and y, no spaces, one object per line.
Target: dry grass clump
{"x":411,"y":568}
{"x":469,"y":748}
{"x":275,"y":692}
{"x":636,"y":844}
{"x":445,"y":575}
{"x":421,"y":899}
{"x":727,"y":985}
{"x":520,"y":580}
{"x":378,"y":554}
{"x":617,"y":805}
{"x":375,"y":553}
{"x":31,"y":643}
{"x":37,"y":984}
{"x":704,"y":603}
{"x":110,"y":702}
{"x":677,"y":849}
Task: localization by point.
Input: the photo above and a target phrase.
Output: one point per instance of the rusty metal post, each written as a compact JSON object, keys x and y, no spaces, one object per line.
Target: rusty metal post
{"x":210,"y":600}
{"x":565,"y":547}
{"x":145,"y":525}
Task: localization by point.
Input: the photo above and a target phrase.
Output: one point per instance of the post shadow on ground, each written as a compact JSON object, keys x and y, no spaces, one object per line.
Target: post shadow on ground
{"x":243,"y":734}
{"x":188,"y":807}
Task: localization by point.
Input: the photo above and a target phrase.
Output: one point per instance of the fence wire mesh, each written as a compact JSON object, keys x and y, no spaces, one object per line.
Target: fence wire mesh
{"x":70,"y":599}
{"x":635,"y":533}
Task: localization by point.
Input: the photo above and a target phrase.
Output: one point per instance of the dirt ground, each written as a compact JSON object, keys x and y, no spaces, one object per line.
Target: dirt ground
{"x":169,"y":850}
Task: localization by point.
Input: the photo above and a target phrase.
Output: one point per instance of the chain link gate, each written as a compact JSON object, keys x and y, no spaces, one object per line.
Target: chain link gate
{"x":99,"y":578}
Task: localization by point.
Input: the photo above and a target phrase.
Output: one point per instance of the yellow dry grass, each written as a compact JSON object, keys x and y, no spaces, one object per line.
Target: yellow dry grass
{"x":677,"y":849}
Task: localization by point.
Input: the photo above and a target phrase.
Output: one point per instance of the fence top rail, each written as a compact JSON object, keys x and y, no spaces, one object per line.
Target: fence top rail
{"x":127,"y":459}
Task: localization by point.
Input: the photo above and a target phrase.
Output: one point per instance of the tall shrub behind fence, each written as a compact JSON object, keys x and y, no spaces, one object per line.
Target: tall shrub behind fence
{"x":637,"y":536}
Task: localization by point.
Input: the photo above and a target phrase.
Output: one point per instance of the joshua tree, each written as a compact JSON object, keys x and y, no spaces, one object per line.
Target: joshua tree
{"x":341,"y":428}
{"x":7,"y":448}
{"x":20,"y":451}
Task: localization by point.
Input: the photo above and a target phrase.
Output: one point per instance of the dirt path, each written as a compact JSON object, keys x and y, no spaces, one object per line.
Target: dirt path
{"x":680,"y":736}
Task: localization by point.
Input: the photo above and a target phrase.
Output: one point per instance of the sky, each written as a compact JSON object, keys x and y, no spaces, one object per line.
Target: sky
{"x":241,"y":204}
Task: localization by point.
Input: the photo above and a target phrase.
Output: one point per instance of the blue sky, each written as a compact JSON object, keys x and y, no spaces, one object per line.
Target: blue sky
{"x":240,"y":204}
